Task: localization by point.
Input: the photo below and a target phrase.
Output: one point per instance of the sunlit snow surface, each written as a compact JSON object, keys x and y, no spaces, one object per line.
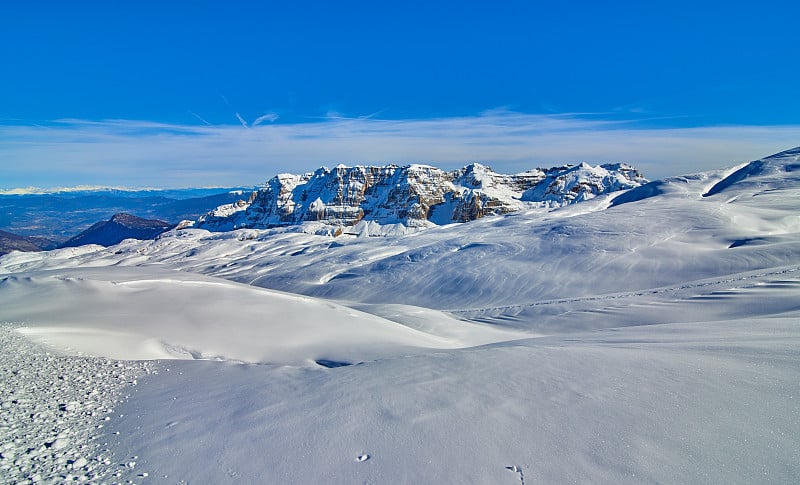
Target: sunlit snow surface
{"x":651,"y":338}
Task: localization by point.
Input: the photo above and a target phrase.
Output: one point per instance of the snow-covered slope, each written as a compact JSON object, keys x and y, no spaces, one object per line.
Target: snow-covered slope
{"x":648,"y":336}
{"x":413,"y":195}
{"x":99,"y":312}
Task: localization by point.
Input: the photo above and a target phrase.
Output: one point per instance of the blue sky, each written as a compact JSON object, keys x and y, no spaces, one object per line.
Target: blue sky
{"x":206,"y":93}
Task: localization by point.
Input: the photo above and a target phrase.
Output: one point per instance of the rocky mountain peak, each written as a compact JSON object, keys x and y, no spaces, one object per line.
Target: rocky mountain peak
{"x":414,"y":195}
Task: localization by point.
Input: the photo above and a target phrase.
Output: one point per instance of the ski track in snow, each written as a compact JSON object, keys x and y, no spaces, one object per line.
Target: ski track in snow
{"x":53,"y":410}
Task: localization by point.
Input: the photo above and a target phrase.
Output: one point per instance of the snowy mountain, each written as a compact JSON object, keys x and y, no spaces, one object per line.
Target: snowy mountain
{"x":413,"y":195}
{"x":120,"y":227}
{"x":643,"y":336}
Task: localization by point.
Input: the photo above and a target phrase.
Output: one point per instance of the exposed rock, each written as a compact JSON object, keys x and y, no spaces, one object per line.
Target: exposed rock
{"x":414,"y":195}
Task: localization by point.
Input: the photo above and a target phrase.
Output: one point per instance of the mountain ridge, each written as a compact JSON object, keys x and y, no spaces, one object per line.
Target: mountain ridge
{"x":414,"y":195}
{"x":121,"y":226}
{"x":15,"y":242}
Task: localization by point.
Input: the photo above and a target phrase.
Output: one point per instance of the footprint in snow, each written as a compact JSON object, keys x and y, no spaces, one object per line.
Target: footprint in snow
{"x":517,"y":469}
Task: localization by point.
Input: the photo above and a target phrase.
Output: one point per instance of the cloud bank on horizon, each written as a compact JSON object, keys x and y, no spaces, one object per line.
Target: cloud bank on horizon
{"x":153,"y":154}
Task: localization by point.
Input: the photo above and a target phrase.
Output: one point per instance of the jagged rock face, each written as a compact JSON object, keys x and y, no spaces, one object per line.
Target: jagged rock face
{"x":414,"y":195}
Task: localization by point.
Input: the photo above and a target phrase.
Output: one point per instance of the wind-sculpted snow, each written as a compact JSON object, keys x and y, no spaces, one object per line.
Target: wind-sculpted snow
{"x":100,"y":311}
{"x":414,"y":195}
{"x":777,"y":168}
{"x":647,"y":337}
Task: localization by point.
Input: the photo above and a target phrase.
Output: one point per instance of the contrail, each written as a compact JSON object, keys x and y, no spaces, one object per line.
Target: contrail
{"x":238,"y":116}
{"x":199,"y":117}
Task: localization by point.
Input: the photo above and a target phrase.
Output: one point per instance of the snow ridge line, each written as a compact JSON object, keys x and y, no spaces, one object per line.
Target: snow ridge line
{"x":629,"y":294}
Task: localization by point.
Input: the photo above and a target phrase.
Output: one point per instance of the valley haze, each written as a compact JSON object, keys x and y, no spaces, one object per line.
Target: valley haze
{"x":584,"y":324}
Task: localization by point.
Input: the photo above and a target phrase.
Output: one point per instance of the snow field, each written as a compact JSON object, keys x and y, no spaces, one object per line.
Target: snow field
{"x":54,"y":409}
{"x":685,"y":403}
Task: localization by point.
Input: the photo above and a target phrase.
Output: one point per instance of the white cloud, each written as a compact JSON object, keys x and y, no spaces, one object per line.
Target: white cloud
{"x":271,"y":117}
{"x":143,"y":153}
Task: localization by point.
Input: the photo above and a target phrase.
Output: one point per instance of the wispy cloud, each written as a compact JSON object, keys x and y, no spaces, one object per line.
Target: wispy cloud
{"x":269,"y":117}
{"x":143,"y":153}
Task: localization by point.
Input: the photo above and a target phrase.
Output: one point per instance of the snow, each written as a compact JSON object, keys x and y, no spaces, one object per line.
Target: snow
{"x":229,"y":209}
{"x":54,"y":409}
{"x":99,"y":311}
{"x":644,"y":337}
{"x":582,"y":182}
{"x":671,"y":405}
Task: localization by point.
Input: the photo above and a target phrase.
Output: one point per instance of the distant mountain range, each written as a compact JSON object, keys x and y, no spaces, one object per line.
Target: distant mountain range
{"x":59,"y":216}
